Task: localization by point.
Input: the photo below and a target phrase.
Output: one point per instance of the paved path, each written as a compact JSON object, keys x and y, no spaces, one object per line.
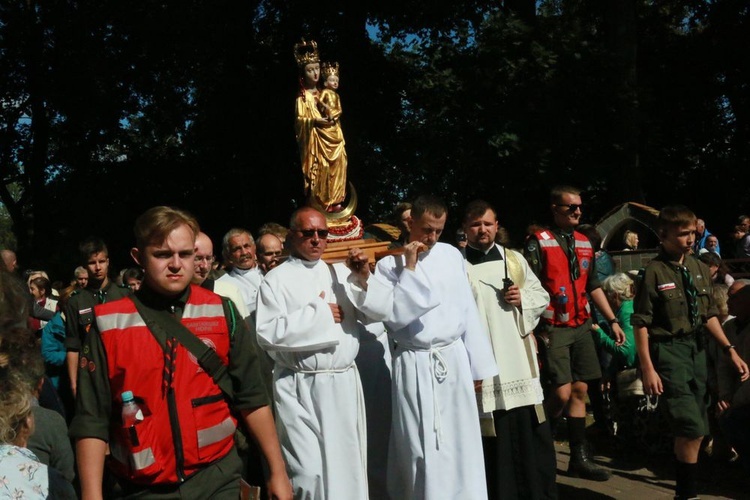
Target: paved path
{"x":648,"y":479}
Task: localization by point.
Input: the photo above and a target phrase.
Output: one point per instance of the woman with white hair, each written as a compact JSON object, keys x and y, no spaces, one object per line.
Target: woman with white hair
{"x":24,"y":476}
{"x":619,"y":291}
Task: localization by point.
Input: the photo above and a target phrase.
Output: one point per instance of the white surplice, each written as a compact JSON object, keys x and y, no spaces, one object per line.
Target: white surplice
{"x":317,"y":391}
{"x":510,"y":330}
{"x":248,"y":281}
{"x":231,"y":291}
{"x":435,"y":447}
{"x":374,"y":362}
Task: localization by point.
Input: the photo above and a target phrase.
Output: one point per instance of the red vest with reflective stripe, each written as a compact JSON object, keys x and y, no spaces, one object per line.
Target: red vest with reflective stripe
{"x":135,"y":362}
{"x":557,"y":274}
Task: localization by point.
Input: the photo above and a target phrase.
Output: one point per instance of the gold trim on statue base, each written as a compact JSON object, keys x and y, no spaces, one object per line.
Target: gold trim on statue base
{"x":338,"y":218}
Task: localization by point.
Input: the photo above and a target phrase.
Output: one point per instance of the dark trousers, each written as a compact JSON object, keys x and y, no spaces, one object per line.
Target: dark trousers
{"x":520,"y":462}
{"x":735,"y":424}
{"x":220,"y":481}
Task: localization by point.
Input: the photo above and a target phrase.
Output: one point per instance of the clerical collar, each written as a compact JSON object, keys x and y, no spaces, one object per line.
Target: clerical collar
{"x":476,"y":256}
{"x":243,"y":272}
{"x":307,"y":263}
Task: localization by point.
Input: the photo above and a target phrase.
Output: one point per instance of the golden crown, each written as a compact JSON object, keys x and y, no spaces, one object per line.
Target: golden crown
{"x":329,"y":69}
{"x":306,"y":53}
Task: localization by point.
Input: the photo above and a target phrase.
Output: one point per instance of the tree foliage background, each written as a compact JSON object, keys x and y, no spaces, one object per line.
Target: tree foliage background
{"x":108,"y":108}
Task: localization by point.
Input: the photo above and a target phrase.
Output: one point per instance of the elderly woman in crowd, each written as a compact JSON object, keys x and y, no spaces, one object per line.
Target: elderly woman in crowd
{"x":23,"y":475}
{"x":619,"y":291}
{"x":633,"y":419}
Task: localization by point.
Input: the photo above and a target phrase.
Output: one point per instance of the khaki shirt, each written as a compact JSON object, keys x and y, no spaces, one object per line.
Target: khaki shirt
{"x":660,"y":303}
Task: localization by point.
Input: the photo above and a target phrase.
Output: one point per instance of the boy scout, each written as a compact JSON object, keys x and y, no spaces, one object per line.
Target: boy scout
{"x":672,"y":303}
{"x":79,"y":310}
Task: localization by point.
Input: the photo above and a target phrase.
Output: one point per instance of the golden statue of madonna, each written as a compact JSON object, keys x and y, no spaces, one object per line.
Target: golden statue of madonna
{"x":318,"y":129}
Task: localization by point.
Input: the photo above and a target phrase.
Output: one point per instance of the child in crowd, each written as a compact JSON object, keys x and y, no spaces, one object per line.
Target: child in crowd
{"x":672,"y":304}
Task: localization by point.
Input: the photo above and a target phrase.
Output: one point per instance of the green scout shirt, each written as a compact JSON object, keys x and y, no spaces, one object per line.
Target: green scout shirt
{"x":79,"y":313}
{"x":660,"y":303}
{"x":94,"y":402}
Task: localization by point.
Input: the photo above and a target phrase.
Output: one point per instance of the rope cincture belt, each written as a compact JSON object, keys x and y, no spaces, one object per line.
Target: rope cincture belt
{"x":361,"y":414}
{"x":439,"y":372}
{"x":328,"y":370}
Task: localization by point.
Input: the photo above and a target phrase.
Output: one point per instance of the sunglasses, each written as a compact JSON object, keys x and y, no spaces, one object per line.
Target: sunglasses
{"x":571,"y":207}
{"x":309,"y":233}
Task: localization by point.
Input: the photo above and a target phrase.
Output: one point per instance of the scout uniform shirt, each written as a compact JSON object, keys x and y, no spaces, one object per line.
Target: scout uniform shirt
{"x":79,"y":313}
{"x":661,"y":303}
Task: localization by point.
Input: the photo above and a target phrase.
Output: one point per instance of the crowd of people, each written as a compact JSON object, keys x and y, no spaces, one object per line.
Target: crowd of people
{"x":435,"y":372}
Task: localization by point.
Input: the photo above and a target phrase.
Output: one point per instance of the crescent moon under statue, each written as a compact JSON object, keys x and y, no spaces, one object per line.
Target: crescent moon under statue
{"x":345,"y":214}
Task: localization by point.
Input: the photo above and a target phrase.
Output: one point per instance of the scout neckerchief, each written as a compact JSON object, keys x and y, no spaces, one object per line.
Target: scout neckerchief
{"x":570,"y":242}
{"x":691,"y":294}
{"x":163,"y":326}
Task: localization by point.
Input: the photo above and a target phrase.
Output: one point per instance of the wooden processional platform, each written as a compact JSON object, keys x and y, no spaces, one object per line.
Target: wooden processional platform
{"x":337,"y":252}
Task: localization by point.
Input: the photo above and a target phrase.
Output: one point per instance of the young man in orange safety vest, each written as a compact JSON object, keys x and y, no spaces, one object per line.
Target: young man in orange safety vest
{"x":181,"y":443}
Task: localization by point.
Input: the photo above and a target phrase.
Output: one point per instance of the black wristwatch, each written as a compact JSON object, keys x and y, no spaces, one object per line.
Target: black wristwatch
{"x":728,"y":347}
{"x":613,"y":321}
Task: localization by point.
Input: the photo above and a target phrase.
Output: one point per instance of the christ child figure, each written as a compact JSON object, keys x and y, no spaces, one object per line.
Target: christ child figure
{"x":329,"y":102}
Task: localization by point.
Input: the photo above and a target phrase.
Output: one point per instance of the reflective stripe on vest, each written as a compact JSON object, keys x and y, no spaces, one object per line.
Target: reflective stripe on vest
{"x":119,"y":320}
{"x":203,"y":310}
{"x":133,"y":360}
{"x":131,"y":320}
{"x":216,"y":433}
{"x":556,"y":274}
{"x":554,"y":243}
{"x":142,"y":459}
{"x":548,"y":243}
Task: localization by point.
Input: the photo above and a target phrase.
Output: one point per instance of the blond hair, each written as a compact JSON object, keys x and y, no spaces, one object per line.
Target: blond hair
{"x":18,"y":359}
{"x":154,"y":225}
{"x":618,"y":285}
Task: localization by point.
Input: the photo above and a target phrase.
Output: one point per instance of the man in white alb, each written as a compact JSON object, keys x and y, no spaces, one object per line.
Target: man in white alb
{"x":309,"y":327}
{"x":425,"y":300}
{"x":204,"y":257}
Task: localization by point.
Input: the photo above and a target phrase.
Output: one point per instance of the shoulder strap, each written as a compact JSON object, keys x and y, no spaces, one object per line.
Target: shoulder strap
{"x":163,"y":326}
